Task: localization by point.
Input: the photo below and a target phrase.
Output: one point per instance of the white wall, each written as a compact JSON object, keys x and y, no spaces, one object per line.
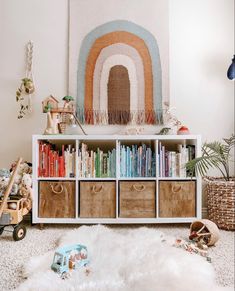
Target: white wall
{"x":201,"y":48}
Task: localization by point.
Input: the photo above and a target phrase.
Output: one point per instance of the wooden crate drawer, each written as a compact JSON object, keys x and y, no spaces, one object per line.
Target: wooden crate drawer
{"x":177,"y":199}
{"x":137,"y":199}
{"x":57,"y":199}
{"x":98,"y":199}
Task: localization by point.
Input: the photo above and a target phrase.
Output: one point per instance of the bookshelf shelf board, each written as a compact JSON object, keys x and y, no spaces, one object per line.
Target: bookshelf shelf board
{"x":109,"y":142}
{"x":97,"y":179}
{"x":117,"y":220}
{"x":177,"y":178}
{"x":136,"y":178}
{"x":56,"y":178}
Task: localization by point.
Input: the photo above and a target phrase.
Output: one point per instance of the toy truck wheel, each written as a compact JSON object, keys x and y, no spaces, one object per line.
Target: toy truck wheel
{"x":19,"y":232}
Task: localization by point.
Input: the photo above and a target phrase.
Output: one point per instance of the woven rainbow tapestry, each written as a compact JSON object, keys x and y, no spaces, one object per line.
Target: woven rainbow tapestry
{"x":118,"y":60}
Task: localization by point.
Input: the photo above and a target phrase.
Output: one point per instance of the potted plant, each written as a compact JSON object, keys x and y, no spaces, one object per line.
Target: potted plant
{"x":220,"y":190}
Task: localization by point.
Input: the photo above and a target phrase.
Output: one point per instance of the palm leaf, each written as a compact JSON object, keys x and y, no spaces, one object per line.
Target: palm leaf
{"x":202,"y":164}
{"x":214,"y":155}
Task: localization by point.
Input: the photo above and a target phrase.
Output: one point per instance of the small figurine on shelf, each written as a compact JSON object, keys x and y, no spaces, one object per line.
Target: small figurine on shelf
{"x":49,"y":103}
{"x":171,"y":122}
{"x":164,"y":131}
{"x":183,"y":130}
{"x":68,"y":102}
{"x":59,"y":117}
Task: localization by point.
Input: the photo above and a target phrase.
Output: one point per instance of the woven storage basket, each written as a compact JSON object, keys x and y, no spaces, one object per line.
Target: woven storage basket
{"x":211,"y":228}
{"x":221,"y":202}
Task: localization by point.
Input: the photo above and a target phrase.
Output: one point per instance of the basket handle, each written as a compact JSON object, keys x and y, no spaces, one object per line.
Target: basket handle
{"x":176,"y":189}
{"x":95,"y":189}
{"x":57,"y":192}
{"x":138,"y":188}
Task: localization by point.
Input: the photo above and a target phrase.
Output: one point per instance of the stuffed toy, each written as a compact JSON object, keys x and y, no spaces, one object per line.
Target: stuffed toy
{"x":4,"y":181}
{"x":25,"y":167}
{"x":26,"y":190}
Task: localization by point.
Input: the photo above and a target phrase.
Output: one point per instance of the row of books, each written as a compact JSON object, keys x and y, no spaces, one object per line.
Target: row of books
{"x":173,"y":163}
{"x":54,"y":162}
{"x":137,"y":161}
{"x":96,"y":164}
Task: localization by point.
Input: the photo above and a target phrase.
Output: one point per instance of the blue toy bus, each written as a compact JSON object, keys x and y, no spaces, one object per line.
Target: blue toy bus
{"x":68,"y":258}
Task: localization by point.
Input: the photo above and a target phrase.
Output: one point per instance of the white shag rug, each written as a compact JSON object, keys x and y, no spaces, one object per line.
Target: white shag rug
{"x":136,"y":260}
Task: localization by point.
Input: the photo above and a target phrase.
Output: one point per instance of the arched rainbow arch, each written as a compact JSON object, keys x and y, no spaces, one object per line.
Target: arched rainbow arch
{"x":110,"y":34}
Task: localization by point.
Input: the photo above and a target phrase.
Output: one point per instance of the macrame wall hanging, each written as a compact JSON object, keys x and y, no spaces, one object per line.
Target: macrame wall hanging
{"x":27,"y":88}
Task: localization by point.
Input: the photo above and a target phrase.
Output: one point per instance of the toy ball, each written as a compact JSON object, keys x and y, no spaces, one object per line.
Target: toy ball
{"x":183,"y":130}
{"x":205,"y":231}
{"x":12,"y":205}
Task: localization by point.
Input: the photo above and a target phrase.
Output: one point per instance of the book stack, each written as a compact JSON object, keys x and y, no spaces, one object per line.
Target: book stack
{"x":96,"y":164}
{"x":173,"y":163}
{"x":137,"y":161}
{"x":54,"y":162}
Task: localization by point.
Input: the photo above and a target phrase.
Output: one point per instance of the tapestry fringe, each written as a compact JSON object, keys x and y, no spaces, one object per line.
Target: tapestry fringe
{"x":104,"y":117}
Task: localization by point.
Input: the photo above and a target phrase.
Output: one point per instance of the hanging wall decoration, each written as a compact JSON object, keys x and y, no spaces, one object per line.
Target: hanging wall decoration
{"x":26,"y":89}
{"x":118,"y":60}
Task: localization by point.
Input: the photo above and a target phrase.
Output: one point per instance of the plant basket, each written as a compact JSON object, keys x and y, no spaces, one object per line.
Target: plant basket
{"x":221,"y":202}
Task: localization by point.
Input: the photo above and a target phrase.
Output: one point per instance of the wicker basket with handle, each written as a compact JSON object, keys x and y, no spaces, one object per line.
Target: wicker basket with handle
{"x":221,"y":202}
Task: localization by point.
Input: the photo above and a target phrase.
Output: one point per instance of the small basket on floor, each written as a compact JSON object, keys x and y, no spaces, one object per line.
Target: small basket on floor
{"x":205,"y":227}
{"x":221,"y":202}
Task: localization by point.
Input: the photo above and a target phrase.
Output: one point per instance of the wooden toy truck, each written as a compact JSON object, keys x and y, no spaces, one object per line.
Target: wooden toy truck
{"x":68,"y":258}
{"x":12,"y":211}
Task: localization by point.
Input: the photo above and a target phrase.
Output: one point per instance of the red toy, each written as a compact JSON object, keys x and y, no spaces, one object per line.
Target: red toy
{"x":183,"y":130}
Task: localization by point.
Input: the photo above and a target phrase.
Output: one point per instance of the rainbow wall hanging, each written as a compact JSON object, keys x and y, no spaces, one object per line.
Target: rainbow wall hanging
{"x":116,"y":67}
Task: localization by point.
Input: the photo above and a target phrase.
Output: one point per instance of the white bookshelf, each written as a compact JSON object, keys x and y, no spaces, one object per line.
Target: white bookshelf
{"x":115,"y":139}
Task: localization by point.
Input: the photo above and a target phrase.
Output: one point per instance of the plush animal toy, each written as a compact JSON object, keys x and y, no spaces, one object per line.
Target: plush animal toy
{"x":25,"y":167}
{"x":26,"y":190}
{"x":4,"y":180}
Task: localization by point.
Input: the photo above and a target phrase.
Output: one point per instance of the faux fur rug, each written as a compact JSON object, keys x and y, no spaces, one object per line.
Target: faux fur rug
{"x":140,"y":259}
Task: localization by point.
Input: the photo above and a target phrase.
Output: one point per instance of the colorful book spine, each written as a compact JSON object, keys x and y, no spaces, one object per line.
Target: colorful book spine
{"x":54,"y":162}
{"x":137,"y":161}
{"x":173,"y":163}
{"x":96,"y":164}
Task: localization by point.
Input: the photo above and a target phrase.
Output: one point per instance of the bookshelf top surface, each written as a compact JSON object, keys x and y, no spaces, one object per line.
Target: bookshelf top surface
{"x":116,"y":137}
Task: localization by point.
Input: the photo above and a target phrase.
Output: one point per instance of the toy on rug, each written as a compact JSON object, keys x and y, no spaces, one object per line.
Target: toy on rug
{"x":204,"y":232}
{"x":69,"y":258}
{"x":191,"y":247}
{"x":13,"y":210}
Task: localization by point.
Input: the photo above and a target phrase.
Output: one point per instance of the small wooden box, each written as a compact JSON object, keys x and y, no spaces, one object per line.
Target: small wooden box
{"x":137,"y":199}
{"x":57,"y":199}
{"x":98,"y":199}
{"x":177,"y":199}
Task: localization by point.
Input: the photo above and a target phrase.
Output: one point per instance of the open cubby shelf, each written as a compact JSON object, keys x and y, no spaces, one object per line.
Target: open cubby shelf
{"x":118,"y":198}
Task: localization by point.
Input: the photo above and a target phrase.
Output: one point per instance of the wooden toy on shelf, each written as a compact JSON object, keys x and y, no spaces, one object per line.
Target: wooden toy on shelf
{"x":12,"y":211}
{"x":58,"y":117}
